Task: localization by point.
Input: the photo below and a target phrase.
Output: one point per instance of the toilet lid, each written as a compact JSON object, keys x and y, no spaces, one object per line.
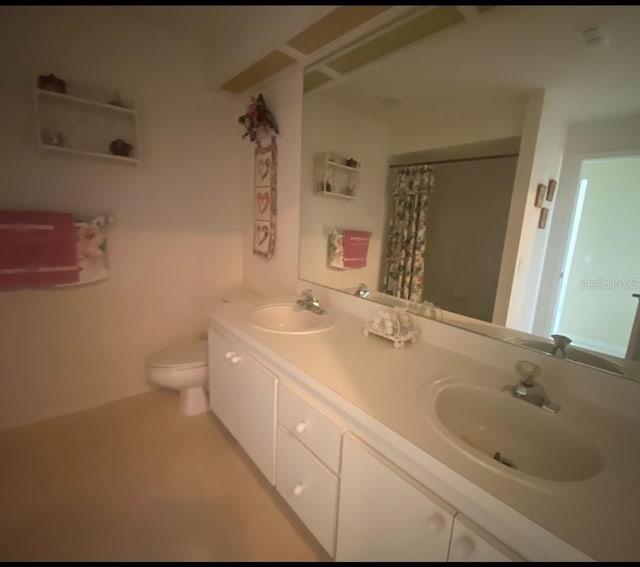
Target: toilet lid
{"x":184,"y":355}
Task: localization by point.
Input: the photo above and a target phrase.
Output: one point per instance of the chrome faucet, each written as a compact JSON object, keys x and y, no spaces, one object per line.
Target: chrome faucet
{"x":528,"y":389}
{"x":362,"y":290}
{"x":560,"y":343}
{"x":309,"y":302}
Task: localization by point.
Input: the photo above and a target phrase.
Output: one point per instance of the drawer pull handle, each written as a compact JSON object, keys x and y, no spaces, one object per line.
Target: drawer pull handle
{"x":229,"y":354}
{"x":235,"y":359}
{"x":435,"y":523}
{"x":301,"y":427}
{"x":463,"y":547}
{"x":298,"y":489}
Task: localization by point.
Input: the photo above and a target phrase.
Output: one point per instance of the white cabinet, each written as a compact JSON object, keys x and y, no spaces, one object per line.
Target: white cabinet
{"x":334,"y":177}
{"x":469,"y":542}
{"x":242,"y":394}
{"x":85,"y":124}
{"x":384,"y":515}
{"x":308,"y":487}
{"x":314,"y":429}
{"x":308,"y":462}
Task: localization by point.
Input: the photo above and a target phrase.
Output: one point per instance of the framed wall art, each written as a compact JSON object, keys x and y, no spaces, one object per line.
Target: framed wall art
{"x":540,"y":191}
{"x":265,"y":199}
{"x":542,"y":221}
{"x":551,"y":191}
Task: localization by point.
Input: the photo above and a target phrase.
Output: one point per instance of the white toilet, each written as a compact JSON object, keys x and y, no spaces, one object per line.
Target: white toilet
{"x":183,"y":367}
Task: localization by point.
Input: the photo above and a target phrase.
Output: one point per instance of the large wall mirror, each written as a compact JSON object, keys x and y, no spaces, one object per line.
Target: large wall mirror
{"x":435,"y":151}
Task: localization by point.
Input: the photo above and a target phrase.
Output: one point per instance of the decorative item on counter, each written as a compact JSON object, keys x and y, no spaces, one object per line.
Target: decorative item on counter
{"x":426,"y":309}
{"x":394,"y":324}
{"x":352,"y":163}
{"x":50,"y":138}
{"x":120,"y":148}
{"x":258,"y":120}
{"x":52,"y":83}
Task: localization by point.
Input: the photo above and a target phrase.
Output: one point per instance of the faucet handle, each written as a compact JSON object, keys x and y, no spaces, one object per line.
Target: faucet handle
{"x":561,"y":341}
{"x":528,"y":371}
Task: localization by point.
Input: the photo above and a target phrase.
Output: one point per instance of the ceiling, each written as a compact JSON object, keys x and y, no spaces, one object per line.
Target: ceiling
{"x":439,"y":53}
{"x":502,"y":56}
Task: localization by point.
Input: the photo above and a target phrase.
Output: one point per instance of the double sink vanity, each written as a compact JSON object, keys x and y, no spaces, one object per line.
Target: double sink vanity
{"x":421,"y":453}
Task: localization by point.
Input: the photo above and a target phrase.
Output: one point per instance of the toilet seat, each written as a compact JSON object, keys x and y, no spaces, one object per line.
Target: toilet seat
{"x":191,"y":354}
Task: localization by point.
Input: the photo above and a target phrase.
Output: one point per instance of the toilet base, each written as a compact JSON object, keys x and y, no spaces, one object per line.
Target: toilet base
{"x":193,"y":401}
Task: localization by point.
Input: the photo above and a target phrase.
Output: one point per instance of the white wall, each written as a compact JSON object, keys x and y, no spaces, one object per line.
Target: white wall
{"x":178,"y":241}
{"x":277,"y":275}
{"x":331,"y":127}
{"x":606,"y":137}
{"x":598,"y":308}
{"x":453,"y":125}
{"x":541,"y":154}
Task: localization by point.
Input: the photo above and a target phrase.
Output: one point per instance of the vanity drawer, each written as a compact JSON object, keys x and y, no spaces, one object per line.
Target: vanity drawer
{"x":308,"y":487}
{"x":315,"y":430}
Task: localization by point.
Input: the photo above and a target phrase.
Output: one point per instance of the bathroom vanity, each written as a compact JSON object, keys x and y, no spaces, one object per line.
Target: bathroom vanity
{"x":362,"y":440}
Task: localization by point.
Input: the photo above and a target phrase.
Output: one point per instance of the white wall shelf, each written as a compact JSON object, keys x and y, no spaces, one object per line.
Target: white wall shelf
{"x":89,"y":154}
{"x":84,"y":126}
{"x":334,"y":178}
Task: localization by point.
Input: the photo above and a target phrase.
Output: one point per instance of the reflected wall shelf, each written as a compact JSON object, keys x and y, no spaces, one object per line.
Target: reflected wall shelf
{"x":84,"y":125}
{"x":333,"y":178}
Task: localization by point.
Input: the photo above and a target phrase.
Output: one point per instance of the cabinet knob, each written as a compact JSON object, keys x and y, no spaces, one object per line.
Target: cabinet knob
{"x":435,"y":523}
{"x":229,"y":354}
{"x":462,"y":548}
{"x":298,"y":489}
{"x":235,"y":359}
{"x":301,"y":427}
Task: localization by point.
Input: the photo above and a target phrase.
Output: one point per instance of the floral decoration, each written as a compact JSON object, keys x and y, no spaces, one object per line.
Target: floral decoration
{"x":258,"y":118}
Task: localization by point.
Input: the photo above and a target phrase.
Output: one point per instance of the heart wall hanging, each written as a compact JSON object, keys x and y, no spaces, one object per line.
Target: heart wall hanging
{"x":265,"y":200}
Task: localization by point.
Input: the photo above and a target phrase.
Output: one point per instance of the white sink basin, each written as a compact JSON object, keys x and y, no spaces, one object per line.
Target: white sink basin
{"x":288,"y":318}
{"x":575,"y":354}
{"x":509,"y":434}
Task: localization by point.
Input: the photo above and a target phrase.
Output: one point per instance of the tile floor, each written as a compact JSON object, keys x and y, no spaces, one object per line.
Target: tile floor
{"x":134,"y":480}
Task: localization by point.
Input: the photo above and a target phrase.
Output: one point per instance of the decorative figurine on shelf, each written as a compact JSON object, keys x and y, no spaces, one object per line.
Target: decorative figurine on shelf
{"x":352,"y":163}
{"x":50,"y":138}
{"x":258,"y":118}
{"x":116,"y":100}
{"x":52,"y":83}
{"x":120,"y":148}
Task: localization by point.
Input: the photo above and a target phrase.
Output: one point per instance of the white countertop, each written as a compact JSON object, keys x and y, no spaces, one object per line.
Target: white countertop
{"x":368,"y":378}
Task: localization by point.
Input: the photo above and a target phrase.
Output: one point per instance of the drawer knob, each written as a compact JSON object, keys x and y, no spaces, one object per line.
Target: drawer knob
{"x":235,"y":359}
{"x":435,"y":523}
{"x":463,"y":547}
{"x":229,"y":354}
{"x":298,"y":489}
{"x":301,"y":427}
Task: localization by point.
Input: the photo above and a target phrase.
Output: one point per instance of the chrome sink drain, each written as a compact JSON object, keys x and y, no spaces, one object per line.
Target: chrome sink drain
{"x":507,"y":462}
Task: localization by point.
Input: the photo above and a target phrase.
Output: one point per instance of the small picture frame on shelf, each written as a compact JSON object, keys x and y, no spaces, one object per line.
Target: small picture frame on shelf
{"x":542,"y":221}
{"x":540,"y":192}
{"x":551,"y":191}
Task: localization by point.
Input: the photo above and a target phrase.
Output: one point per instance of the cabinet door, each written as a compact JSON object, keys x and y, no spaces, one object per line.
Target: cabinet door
{"x":385,"y":515}
{"x":308,"y":487}
{"x":242,"y":394}
{"x":469,"y":542}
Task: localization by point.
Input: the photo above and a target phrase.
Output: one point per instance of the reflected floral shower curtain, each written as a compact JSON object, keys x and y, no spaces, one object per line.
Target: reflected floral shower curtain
{"x":411,"y":189}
